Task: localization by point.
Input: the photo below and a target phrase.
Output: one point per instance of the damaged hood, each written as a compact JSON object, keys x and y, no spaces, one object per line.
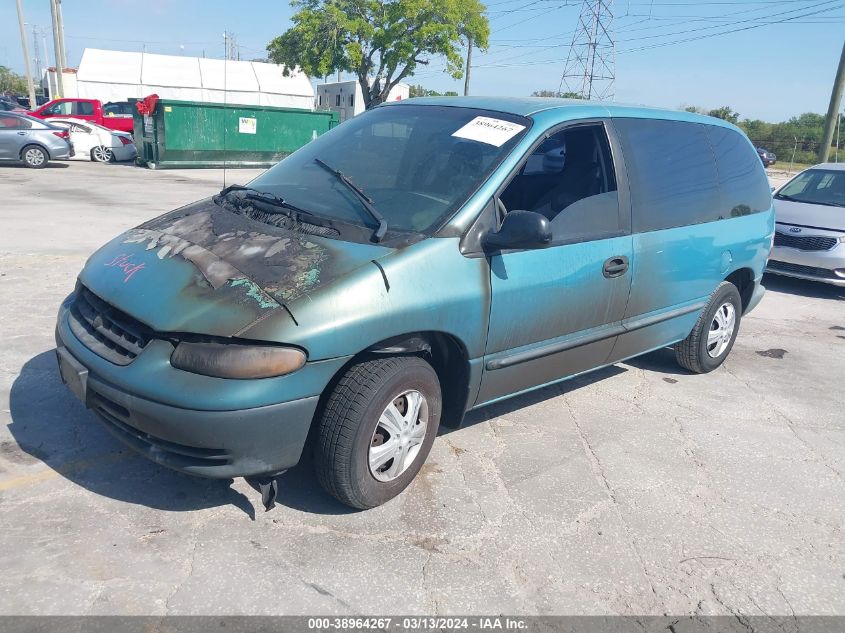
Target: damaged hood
{"x":205,"y":270}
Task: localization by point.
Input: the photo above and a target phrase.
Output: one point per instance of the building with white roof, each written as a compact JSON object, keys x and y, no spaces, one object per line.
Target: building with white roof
{"x":118,"y":75}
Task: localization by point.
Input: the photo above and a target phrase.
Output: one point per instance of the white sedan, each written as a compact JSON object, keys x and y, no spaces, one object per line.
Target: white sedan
{"x":97,"y":143}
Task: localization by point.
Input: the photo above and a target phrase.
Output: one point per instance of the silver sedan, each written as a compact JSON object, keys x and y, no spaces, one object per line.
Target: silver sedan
{"x":32,"y":141}
{"x":810,"y":226}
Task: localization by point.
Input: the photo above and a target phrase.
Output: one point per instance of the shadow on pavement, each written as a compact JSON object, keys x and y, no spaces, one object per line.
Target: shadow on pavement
{"x":803,"y":287}
{"x":49,"y":425}
{"x":661,"y":361}
{"x":50,"y":165}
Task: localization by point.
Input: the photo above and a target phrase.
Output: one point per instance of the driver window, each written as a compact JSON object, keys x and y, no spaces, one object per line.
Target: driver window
{"x":63,"y":107}
{"x":569,"y":178}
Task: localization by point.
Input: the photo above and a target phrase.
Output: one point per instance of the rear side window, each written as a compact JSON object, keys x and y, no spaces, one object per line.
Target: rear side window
{"x":742,"y":180}
{"x":671,"y":173}
{"x":14,"y":123}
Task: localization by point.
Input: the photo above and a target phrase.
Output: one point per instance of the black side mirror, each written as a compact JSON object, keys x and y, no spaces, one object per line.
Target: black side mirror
{"x":520,"y":229}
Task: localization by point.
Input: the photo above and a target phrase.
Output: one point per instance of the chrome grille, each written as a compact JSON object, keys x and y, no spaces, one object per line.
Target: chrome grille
{"x":105,"y":330}
{"x":805,"y":242}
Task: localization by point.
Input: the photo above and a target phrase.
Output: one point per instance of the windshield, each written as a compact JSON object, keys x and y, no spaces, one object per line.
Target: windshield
{"x":415,"y":164}
{"x":816,"y":186}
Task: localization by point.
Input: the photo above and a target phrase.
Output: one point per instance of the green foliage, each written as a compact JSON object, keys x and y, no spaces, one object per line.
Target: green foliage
{"x":801,"y":134}
{"x":556,"y":95}
{"x":381,"y":39}
{"x":420,"y":91}
{"x":725,"y":113}
{"x":11,"y":82}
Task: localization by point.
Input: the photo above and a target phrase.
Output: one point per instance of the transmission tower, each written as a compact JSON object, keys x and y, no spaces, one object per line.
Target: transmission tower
{"x":591,"y":62}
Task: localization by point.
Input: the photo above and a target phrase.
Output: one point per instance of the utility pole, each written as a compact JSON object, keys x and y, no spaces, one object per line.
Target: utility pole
{"x":60,"y":69}
{"x":590,"y":68}
{"x":833,"y":109}
{"x":469,"y":66}
{"x":27,"y":63}
{"x":61,"y":29}
{"x":36,"y":53}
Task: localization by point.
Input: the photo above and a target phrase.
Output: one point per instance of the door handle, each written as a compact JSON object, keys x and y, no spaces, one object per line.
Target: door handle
{"x":21,"y":133}
{"x":615,"y":266}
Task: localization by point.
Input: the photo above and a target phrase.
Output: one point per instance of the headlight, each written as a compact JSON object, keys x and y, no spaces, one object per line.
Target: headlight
{"x":233,"y":360}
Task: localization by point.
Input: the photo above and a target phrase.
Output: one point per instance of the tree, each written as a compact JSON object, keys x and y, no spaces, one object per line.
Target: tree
{"x":381,"y":41}
{"x":556,"y":95}
{"x":725,"y":113}
{"x":11,"y":82}
{"x":419,"y":91}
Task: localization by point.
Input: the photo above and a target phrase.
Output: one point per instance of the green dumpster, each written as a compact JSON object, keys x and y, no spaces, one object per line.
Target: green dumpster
{"x":179,"y":134}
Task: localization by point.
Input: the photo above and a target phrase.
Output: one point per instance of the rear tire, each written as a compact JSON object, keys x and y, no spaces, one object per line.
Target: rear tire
{"x":34,"y":157}
{"x":376,"y":429}
{"x":102,"y":154}
{"x":713,"y":336}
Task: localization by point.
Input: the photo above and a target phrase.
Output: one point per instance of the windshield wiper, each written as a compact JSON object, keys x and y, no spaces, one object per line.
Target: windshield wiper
{"x":366,"y":201}
{"x":265,"y":197}
{"x":781,"y":196}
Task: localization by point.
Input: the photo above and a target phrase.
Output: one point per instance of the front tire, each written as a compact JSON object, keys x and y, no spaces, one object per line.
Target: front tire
{"x":713,"y":336}
{"x":376,"y":429}
{"x":34,"y":157}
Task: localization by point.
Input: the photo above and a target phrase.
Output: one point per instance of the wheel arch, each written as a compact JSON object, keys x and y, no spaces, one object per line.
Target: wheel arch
{"x":743,"y":279}
{"x":447,"y":355}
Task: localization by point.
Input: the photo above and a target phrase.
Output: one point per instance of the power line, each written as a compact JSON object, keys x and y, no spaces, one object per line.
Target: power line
{"x":717,"y":26}
{"x":737,"y":30}
{"x":786,"y":20}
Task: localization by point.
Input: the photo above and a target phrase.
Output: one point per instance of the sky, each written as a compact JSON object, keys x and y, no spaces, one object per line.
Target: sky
{"x":767,"y":59}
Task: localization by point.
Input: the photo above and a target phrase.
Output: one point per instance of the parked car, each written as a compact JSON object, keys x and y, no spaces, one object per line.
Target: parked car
{"x":402,"y":269}
{"x":108,"y":115}
{"x":810,"y":230}
{"x":24,"y":101}
{"x":98,"y":143}
{"x":31,"y":141}
{"x":766,"y":157}
{"x":7,"y":105}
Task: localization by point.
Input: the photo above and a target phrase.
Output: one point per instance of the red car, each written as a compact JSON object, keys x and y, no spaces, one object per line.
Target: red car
{"x":115,"y":116}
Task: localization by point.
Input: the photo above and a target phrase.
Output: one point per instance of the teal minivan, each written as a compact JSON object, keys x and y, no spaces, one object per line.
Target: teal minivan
{"x":425,"y":258}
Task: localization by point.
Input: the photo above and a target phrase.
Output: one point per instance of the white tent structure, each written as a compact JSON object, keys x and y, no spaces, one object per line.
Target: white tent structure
{"x":118,"y":75}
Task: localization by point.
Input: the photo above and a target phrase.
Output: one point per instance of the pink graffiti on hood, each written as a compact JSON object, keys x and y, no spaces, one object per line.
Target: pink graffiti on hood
{"x":125,"y":264}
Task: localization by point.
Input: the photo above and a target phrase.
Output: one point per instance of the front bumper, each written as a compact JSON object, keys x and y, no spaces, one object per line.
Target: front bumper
{"x":186,"y":436}
{"x":218,"y":444}
{"x":811,"y":265}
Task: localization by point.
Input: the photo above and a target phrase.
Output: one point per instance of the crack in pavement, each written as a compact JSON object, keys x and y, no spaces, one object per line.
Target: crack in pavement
{"x":598,"y":473}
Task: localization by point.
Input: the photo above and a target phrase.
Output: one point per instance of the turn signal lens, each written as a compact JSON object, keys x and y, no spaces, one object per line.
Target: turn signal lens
{"x":232,"y":360}
{"x":842,"y":238}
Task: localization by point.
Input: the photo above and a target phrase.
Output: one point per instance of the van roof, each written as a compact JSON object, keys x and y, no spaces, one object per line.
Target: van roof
{"x":529,"y":106}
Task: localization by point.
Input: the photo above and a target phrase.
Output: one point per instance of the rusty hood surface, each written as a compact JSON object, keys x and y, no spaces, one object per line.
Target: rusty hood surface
{"x":205,"y":270}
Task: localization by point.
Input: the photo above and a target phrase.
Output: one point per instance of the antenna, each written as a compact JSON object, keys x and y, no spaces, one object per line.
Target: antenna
{"x":225,"y":94}
{"x":590,"y":67}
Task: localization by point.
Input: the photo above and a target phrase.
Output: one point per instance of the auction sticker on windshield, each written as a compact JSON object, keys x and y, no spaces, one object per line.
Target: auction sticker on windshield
{"x":488,"y":130}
